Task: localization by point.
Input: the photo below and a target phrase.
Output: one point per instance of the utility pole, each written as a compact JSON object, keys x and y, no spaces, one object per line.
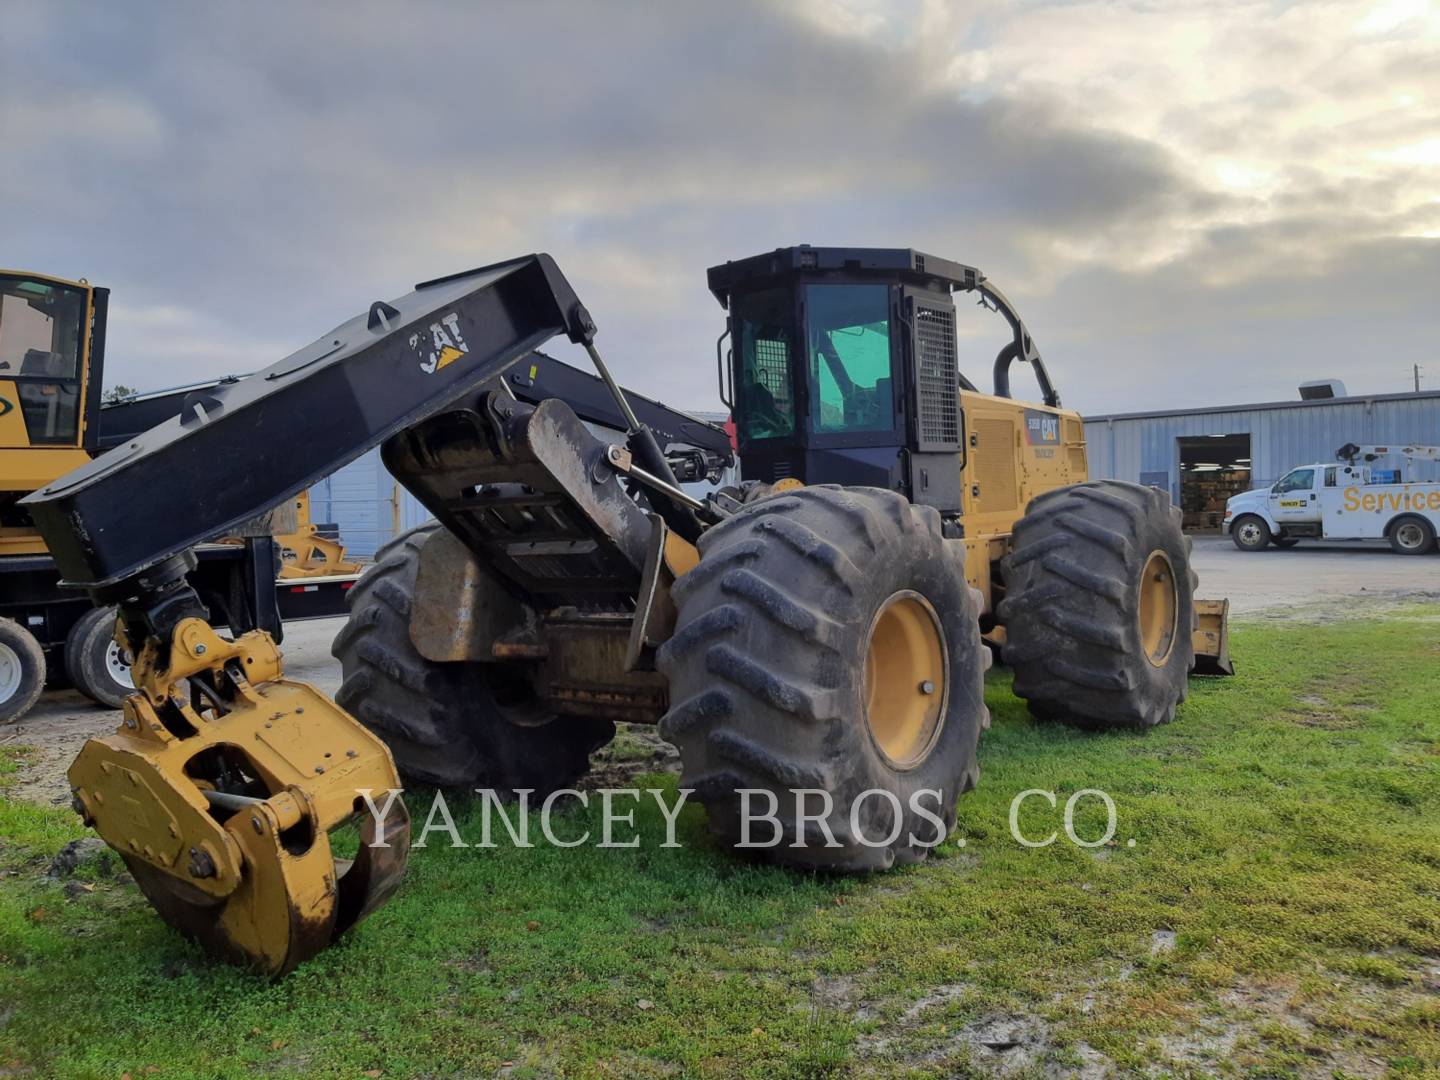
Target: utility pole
{"x":1417,"y":378}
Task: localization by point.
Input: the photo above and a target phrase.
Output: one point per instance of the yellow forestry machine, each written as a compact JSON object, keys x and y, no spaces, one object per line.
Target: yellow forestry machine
{"x":52,"y":354}
{"x":823,"y":626}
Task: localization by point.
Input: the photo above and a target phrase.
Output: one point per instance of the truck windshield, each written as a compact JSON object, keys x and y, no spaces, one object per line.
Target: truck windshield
{"x":1296,"y":480}
{"x":848,"y":327}
{"x":41,"y":327}
{"x":764,"y":331}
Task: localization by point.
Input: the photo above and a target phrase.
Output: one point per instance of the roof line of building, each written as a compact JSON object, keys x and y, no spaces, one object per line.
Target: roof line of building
{"x":1209,"y":409}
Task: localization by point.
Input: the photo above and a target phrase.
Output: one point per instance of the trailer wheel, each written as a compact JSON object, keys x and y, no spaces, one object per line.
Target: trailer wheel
{"x":1250,"y":533}
{"x":94,"y":660}
{"x":1099,"y":607}
{"x":450,"y":724}
{"x":827,"y":644}
{"x":1411,"y":535}
{"x":22,"y":671}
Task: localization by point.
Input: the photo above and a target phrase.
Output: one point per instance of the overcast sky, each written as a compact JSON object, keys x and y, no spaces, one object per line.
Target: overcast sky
{"x":1191,"y":203}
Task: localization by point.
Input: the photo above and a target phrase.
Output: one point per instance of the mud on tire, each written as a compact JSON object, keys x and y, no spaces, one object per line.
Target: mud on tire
{"x":1072,"y":606}
{"x":451,"y":724}
{"x":767,"y":671}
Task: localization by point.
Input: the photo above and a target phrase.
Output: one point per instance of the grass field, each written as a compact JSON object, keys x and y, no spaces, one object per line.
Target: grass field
{"x":1278,"y":914}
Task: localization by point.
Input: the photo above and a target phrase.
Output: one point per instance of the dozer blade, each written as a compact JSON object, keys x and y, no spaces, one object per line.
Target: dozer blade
{"x":1212,"y":638}
{"x":223,"y":806}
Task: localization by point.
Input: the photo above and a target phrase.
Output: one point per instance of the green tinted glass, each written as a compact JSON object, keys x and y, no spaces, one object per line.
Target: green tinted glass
{"x":849,"y":356}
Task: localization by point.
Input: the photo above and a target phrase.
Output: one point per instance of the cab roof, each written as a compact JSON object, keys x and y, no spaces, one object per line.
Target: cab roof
{"x":892,"y":264}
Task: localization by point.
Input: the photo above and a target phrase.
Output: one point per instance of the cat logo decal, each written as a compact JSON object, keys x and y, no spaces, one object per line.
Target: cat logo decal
{"x":439,"y":346}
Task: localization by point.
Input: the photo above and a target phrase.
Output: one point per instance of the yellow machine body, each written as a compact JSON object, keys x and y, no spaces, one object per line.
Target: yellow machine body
{"x":46,"y":380}
{"x":1013,"y":452}
{"x":306,"y":553}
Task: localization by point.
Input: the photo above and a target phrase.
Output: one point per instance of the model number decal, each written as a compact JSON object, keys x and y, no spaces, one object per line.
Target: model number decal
{"x":440,"y":345}
{"x":1041,"y":427}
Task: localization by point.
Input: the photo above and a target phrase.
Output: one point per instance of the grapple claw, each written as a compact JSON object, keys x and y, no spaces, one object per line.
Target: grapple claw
{"x":222,"y":806}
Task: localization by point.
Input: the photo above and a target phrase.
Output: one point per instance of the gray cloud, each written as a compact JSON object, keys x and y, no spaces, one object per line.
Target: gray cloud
{"x":245,"y":176}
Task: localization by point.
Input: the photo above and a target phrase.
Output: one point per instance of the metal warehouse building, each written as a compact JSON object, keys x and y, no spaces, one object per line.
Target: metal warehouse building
{"x":1201,"y":456}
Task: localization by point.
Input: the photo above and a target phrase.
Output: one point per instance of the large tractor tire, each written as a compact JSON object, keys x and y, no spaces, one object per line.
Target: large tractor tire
{"x":827,"y":641}
{"x":450,"y":724}
{"x":1099,"y":606}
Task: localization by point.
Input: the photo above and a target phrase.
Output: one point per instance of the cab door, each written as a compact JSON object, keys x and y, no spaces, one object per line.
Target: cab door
{"x":1294,"y":499}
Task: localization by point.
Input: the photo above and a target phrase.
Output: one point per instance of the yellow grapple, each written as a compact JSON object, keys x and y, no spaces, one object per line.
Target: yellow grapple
{"x":221,"y":788}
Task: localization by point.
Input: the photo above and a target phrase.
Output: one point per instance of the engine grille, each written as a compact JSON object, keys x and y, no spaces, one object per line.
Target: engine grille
{"x":995,"y":455}
{"x":937,"y":375}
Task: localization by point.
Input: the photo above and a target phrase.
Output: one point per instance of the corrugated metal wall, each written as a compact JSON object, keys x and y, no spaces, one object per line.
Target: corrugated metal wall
{"x":366,"y":503}
{"x":1125,"y":447}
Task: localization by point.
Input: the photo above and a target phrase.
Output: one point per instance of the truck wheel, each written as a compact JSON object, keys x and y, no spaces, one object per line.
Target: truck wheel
{"x":827,"y":643}
{"x":1411,"y":536}
{"x":450,"y":724}
{"x":94,"y":660}
{"x":1284,"y":542}
{"x":1250,"y":533}
{"x":1099,"y":607}
{"x":22,"y":670}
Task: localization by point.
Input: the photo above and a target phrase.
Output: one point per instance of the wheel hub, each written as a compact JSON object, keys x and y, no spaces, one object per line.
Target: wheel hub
{"x":1159,"y":608}
{"x":115,"y":664}
{"x":1409,"y":535}
{"x":11,"y":672}
{"x":906,"y":679}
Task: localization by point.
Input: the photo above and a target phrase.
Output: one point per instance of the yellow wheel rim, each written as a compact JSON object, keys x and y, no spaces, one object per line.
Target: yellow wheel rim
{"x":1159,"y":607}
{"x":906,"y":676}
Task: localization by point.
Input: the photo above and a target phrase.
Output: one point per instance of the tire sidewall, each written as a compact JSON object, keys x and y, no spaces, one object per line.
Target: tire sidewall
{"x":1427,"y":536}
{"x":1168,"y":679}
{"x":908,"y":564}
{"x":31,"y":659}
{"x":89,"y":670}
{"x":1259,"y":544}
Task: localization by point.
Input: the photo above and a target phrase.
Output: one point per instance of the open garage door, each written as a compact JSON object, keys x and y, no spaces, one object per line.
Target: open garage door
{"x":1212,"y":468}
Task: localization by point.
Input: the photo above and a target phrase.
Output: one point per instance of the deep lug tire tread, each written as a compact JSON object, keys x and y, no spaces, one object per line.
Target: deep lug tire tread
{"x":440,"y":720}
{"x":1072,"y":601}
{"x":766,"y":668}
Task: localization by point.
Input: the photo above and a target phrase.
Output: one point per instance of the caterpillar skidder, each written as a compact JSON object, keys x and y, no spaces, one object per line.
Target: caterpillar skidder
{"x":823,"y":626}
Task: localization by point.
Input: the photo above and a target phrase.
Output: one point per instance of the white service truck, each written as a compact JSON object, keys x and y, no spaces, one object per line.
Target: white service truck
{"x":1341,"y":500}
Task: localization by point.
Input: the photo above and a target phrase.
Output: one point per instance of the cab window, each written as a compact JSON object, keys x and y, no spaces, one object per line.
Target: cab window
{"x":1330,"y":476}
{"x":1296,"y":480}
{"x":848,"y":327}
{"x":764,"y":331}
{"x":41,"y":327}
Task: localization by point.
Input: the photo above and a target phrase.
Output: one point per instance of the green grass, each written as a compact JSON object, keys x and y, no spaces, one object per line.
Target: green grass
{"x":1286,"y":833}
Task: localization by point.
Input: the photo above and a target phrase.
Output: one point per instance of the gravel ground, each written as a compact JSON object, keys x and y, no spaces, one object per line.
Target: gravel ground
{"x":1311,"y":581}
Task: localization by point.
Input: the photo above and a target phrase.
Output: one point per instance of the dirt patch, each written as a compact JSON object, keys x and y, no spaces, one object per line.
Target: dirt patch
{"x":841,"y":993}
{"x":1004,"y":1044}
{"x":1324,"y":719}
{"x":54,"y":735}
{"x":636,"y":750}
{"x":941,"y":995}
